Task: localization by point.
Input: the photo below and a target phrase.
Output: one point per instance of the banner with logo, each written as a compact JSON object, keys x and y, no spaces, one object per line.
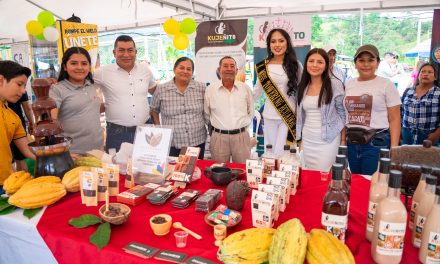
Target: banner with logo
{"x":299,"y":28}
{"x":216,"y":39}
{"x":435,"y":41}
{"x":78,"y":35}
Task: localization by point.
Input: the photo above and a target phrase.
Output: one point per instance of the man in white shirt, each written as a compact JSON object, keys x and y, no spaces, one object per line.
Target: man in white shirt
{"x":125,"y":86}
{"x":334,"y":70}
{"x":229,"y":109}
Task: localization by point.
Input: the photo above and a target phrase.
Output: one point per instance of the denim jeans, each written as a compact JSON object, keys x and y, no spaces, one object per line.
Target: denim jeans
{"x":363,"y":158}
{"x":412,"y":136}
{"x":116,"y":136}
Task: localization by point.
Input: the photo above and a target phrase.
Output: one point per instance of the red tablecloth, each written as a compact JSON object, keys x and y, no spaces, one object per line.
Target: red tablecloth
{"x":71,"y":245}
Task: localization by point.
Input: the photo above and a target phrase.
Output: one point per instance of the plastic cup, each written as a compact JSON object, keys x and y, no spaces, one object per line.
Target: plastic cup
{"x":324,"y":175}
{"x":181,"y":238}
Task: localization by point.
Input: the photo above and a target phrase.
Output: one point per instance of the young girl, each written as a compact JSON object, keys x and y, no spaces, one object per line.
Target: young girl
{"x":320,"y":113}
{"x":79,"y":104}
{"x":373,"y":113}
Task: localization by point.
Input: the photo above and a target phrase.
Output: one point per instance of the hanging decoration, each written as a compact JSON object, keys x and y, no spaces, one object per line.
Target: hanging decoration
{"x":43,"y":28}
{"x":181,"y":32}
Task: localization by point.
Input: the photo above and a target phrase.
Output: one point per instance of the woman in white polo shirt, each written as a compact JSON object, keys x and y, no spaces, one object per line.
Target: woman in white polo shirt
{"x":79,"y":104}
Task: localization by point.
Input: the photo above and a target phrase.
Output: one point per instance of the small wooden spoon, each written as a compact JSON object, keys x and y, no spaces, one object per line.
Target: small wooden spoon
{"x":179,"y":225}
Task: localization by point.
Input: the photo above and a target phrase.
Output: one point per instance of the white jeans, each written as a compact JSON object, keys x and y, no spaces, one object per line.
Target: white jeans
{"x":275,"y":133}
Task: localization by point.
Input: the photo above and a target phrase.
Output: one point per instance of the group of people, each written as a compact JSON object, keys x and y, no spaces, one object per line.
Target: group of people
{"x":311,"y":105}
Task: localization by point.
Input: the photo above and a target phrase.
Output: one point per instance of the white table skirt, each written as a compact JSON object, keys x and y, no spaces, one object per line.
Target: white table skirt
{"x":20,"y":241}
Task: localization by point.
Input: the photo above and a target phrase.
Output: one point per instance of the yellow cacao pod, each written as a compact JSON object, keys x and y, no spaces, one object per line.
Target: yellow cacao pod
{"x":38,"y":195}
{"x":323,"y":247}
{"x":289,"y":243}
{"x":247,"y":246}
{"x":14,"y":182}
{"x":48,"y":179}
{"x":71,"y":178}
{"x":88,"y":161}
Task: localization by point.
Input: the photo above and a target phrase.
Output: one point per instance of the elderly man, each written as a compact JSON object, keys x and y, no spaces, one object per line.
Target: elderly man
{"x":333,"y":69}
{"x":229,"y":110}
{"x":125,"y":86}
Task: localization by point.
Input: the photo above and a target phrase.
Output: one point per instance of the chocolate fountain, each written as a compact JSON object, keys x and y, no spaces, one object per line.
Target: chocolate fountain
{"x":52,"y":151}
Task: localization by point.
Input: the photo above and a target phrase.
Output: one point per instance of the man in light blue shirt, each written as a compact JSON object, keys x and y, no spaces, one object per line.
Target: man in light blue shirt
{"x":334,"y":70}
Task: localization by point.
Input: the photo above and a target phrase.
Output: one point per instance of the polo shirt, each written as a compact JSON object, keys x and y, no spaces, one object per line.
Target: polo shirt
{"x":125,"y":93}
{"x":10,"y":129}
{"x":79,"y":114}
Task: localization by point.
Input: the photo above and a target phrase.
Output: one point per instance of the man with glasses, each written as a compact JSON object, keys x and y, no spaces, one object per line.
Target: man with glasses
{"x":125,"y":86}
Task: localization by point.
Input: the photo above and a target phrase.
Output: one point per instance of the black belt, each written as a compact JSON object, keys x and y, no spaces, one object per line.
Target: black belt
{"x":229,"y":132}
{"x":130,"y":129}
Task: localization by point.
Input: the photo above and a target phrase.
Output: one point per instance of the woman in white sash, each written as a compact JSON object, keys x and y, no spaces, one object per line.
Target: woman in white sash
{"x":284,"y":70}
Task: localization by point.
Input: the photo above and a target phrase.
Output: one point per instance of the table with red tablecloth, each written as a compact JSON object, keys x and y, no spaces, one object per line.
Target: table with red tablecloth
{"x":70,"y":245}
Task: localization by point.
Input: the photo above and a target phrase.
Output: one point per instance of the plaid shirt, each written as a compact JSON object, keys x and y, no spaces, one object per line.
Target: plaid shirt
{"x":421,"y":113}
{"x":182,"y":111}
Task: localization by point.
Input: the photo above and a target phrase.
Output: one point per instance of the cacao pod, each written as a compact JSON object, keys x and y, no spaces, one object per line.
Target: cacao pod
{"x":41,"y":179}
{"x":323,"y":247}
{"x":14,"y":182}
{"x":289,"y":243}
{"x":38,"y":195}
{"x":246,"y":246}
{"x":236,"y":194}
{"x":71,"y":178}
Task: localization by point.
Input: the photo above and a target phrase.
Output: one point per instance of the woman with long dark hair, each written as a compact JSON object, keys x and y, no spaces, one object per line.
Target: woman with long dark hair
{"x":79,"y":102}
{"x":278,"y":77}
{"x":320,"y":113}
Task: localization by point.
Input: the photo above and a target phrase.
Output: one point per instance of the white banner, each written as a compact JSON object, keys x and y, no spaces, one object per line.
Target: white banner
{"x":216,"y":39}
{"x":299,"y":28}
{"x":20,"y":53}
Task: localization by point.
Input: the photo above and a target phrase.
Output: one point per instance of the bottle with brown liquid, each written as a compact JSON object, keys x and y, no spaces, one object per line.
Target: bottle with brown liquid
{"x":334,"y":211}
{"x":389,"y":224}
{"x":425,"y":205}
{"x":378,"y":191}
{"x":346,"y":177}
{"x":384,"y":153}
{"x":430,"y":246}
{"x":418,"y":194}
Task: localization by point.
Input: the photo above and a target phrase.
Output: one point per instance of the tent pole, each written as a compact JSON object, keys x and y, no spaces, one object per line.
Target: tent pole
{"x":42,"y":8}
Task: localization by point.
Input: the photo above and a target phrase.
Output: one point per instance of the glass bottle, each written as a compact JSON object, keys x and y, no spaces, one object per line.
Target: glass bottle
{"x":334,"y":211}
{"x":430,"y":246}
{"x":423,"y":209}
{"x":418,"y":193}
{"x":389,"y":224}
{"x":378,"y":191}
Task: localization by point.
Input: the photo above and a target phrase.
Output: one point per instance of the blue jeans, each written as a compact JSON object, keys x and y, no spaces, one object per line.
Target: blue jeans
{"x":412,"y":136}
{"x":116,"y":136}
{"x":363,"y":158}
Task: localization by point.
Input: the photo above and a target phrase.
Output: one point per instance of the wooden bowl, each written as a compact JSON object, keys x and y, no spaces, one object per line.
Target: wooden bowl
{"x":212,"y":223}
{"x":118,"y":219}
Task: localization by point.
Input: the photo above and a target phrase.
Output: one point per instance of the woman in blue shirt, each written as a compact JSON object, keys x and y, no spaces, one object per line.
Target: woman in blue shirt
{"x":421,"y":108}
{"x":320,"y":113}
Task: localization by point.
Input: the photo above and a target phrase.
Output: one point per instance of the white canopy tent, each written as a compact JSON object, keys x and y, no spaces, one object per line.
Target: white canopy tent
{"x":121,"y":14}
